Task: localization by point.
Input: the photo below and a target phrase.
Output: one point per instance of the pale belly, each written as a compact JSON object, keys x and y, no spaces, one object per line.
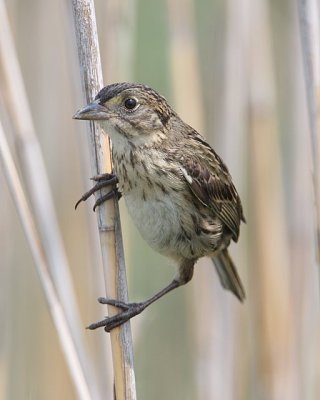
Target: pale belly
{"x":158,"y":221}
{"x":170,"y":229}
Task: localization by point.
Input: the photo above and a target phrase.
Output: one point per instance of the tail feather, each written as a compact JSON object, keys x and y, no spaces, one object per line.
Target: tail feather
{"x":228,"y":274}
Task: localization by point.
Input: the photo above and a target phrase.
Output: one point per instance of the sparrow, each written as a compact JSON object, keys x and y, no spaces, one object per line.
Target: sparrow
{"x":177,"y":189}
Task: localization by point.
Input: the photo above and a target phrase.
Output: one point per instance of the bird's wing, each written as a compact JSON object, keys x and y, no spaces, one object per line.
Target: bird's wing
{"x":210,"y":181}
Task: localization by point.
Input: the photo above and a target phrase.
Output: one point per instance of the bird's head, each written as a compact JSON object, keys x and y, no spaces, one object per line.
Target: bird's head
{"x":133,"y":112}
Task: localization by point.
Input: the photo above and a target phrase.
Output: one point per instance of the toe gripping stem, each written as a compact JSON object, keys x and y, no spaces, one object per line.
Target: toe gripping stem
{"x":129,"y":310}
{"x":102,"y":181}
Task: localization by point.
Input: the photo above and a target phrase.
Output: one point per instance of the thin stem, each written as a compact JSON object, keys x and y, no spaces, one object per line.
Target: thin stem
{"x":108,"y":213}
{"x":35,"y":177}
{"x":34,"y":240}
{"x":308,"y":42}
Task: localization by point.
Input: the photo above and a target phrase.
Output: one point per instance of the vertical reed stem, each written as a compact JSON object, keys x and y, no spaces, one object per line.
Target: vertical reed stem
{"x":107,"y":214}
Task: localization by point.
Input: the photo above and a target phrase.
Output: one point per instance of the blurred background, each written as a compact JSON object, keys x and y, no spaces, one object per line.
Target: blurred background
{"x":234,"y":71}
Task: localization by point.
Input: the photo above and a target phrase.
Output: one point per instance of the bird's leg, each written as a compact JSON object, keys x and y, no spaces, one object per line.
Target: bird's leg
{"x":103,"y":180}
{"x":130,"y":310}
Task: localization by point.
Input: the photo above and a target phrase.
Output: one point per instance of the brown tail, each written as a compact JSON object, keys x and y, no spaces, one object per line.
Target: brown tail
{"x":228,"y":274}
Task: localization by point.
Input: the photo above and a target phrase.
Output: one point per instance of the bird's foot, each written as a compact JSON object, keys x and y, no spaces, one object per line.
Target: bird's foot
{"x":102,"y":181}
{"x":129,"y":310}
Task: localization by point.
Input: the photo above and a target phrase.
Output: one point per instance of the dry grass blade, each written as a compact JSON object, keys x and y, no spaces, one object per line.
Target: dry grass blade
{"x":183,"y":57}
{"x":276,"y":375}
{"x":38,"y":254}
{"x":309,"y":28}
{"x":108,"y":213}
{"x":36,"y":179}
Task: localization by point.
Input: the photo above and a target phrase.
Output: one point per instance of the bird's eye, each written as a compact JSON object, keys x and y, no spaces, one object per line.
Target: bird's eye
{"x":130,"y":103}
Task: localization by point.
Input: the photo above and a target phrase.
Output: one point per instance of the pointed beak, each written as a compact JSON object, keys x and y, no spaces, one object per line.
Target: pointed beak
{"x":93,"y":111}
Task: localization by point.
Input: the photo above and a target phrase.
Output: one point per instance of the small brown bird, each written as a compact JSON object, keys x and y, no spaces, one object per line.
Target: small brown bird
{"x":177,"y":189}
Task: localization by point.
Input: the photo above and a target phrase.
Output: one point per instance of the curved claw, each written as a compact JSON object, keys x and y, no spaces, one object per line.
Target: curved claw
{"x":77,"y":203}
{"x":113,"y":193}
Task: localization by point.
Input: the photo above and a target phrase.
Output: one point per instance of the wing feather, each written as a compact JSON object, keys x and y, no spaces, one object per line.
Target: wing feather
{"x":211,"y":183}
